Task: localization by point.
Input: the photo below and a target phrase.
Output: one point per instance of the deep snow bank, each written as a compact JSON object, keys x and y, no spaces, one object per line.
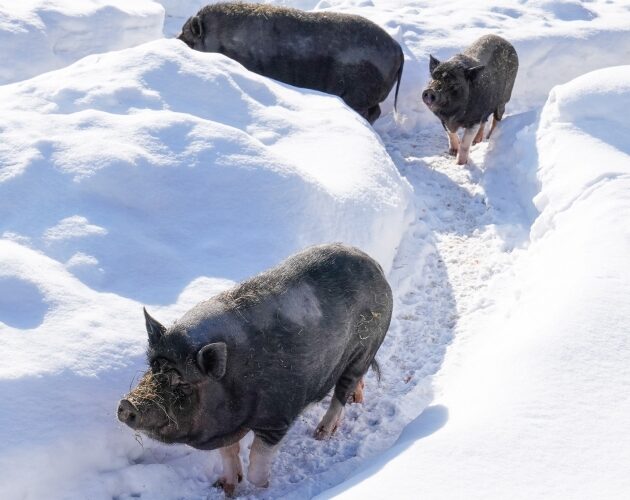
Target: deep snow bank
{"x":535,"y":394}
{"x":40,"y":35}
{"x":130,"y":178}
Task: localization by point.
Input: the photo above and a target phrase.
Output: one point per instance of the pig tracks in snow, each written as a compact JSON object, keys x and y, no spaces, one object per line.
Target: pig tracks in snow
{"x":450,"y":252}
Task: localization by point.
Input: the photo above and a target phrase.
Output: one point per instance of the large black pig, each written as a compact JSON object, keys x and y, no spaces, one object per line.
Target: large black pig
{"x":340,"y":54}
{"x":253,"y":357}
{"x":469,"y":87}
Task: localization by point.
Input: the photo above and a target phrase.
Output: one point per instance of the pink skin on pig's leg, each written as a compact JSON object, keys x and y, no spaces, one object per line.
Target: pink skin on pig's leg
{"x":357,"y":395}
{"x":261,"y":458}
{"x":464,"y":145}
{"x":232,"y":469}
{"x":453,"y":142}
{"x":330,"y":421}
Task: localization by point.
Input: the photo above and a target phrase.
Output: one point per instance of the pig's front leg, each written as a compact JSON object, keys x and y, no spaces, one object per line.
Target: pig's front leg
{"x":232,"y":469}
{"x":261,"y":458}
{"x":464,"y":146}
{"x":453,"y":142}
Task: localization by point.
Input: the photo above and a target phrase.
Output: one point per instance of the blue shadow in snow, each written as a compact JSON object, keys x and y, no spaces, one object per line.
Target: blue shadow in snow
{"x":21,"y":303}
{"x":429,"y":421}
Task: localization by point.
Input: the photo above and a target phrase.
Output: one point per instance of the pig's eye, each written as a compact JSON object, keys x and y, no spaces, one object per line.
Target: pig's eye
{"x":178,"y":383}
{"x":185,"y":388}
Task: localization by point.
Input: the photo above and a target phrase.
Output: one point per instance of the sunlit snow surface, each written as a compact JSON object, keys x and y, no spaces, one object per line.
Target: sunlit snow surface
{"x":159,"y":176}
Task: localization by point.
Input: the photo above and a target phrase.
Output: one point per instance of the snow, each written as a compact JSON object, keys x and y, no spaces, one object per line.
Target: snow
{"x":144,"y":176}
{"x":40,"y":35}
{"x":534,"y":392}
{"x":159,"y":176}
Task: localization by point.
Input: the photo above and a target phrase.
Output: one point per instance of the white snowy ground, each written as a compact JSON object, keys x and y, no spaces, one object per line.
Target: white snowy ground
{"x":38,"y":35}
{"x":104,"y":166}
{"x":533,"y":396}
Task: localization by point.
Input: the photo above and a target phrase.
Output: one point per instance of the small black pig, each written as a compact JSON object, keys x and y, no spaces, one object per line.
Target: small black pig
{"x":253,"y":357}
{"x":469,"y":87}
{"x":340,"y":54}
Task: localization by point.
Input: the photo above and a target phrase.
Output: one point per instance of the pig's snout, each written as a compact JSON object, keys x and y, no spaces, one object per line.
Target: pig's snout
{"x":128,"y":414}
{"x":429,"y":97}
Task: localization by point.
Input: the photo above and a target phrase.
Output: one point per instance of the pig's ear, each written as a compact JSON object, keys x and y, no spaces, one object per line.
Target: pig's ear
{"x":433,"y":63}
{"x":212,"y":359}
{"x":196,"y":27}
{"x":472,"y":73}
{"x":154,"y":328}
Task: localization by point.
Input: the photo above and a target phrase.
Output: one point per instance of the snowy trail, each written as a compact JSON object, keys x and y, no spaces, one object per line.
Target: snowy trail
{"x":457,"y":244}
{"x":450,"y":253}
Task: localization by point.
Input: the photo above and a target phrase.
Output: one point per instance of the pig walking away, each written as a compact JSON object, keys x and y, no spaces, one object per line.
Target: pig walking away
{"x":340,"y":54}
{"x":469,"y":87}
{"x":253,"y":357}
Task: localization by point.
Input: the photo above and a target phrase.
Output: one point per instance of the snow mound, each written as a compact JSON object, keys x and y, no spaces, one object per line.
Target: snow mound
{"x":154,"y":175}
{"x":534,"y":392}
{"x":583,"y":129}
{"x":40,"y":35}
{"x":183,"y":9}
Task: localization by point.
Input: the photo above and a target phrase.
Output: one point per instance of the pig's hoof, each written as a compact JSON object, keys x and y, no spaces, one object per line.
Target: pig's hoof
{"x":322,"y":433}
{"x":258,"y":482}
{"x":462,"y":160}
{"x":452,"y":151}
{"x":477,"y":140}
{"x":228,"y":488}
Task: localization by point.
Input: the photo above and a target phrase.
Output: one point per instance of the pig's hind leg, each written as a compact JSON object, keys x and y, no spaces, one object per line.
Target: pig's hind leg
{"x":373,"y":113}
{"x":496,"y":117}
{"x":331,"y":420}
{"x":346,"y":386}
{"x":479,"y":137}
{"x":357,"y":395}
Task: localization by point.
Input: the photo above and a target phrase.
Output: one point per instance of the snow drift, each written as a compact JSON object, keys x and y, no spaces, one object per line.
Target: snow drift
{"x":154,"y":175}
{"x":535,"y":390}
{"x":38,"y":35}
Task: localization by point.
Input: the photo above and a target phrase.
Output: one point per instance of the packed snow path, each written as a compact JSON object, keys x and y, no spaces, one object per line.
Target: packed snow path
{"x":460,"y":239}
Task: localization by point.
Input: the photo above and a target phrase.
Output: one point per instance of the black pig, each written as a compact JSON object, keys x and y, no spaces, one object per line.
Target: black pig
{"x":340,"y":54}
{"x":469,"y":87}
{"x":253,"y":357}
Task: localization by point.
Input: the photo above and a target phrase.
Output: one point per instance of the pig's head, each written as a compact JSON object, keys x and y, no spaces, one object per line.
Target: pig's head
{"x":448,"y":91}
{"x":176,"y":397}
{"x":193,"y":33}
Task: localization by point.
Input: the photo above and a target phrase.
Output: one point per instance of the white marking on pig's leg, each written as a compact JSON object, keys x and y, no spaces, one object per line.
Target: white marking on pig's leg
{"x":331,"y":420}
{"x":260,"y":460}
{"x":232,"y":469}
{"x":464,"y":145}
{"x":479,"y":137}
{"x":453,"y":142}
